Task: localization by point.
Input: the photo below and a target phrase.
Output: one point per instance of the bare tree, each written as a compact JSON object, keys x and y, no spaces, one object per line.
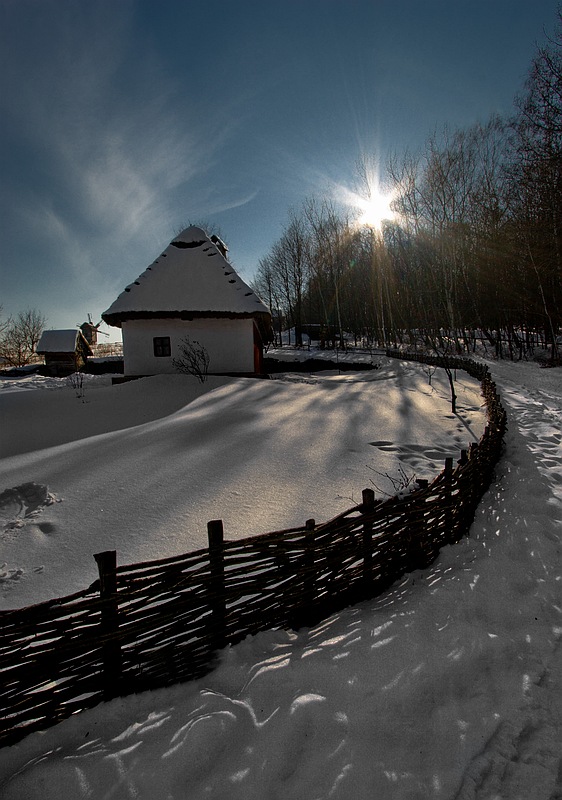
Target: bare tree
{"x":443,"y":347}
{"x":289,"y":260}
{"x":266,"y":286}
{"x":19,"y":337}
{"x":329,"y":257}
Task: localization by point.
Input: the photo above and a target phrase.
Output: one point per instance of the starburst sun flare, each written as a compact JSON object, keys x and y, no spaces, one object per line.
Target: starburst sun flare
{"x":374,"y":205}
{"x":376,"y":209}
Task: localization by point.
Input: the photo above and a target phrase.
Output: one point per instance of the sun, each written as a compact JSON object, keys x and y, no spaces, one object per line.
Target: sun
{"x":374,"y":204}
{"x":376,"y":209}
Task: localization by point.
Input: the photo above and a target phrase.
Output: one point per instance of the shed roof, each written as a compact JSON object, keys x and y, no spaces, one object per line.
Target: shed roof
{"x":61,"y":341}
{"x":191,"y":278}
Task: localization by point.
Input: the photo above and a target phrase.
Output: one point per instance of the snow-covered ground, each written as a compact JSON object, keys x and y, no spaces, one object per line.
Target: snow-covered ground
{"x":448,"y":686}
{"x":143,"y":466}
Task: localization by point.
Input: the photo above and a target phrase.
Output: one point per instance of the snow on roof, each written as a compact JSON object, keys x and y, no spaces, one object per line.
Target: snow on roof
{"x":191,"y":277}
{"x":63,"y":341}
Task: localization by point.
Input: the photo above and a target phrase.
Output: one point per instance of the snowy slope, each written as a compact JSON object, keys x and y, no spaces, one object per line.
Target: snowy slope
{"x":448,"y":686}
{"x":262,"y":455}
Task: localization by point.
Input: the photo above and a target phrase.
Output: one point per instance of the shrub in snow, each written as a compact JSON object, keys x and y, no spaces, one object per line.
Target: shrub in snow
{"x":402,"y":483}
{"x":76,"y":380}
{"x":193,"y":359}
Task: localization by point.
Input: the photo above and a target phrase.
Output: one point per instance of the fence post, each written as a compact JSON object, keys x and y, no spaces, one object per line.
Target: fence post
{"x":367,"y":540}
{"x":306,"y":616}
{"x":109,"y":624}
{"x":215,"y":533}
{"x":450,"y":534}
{"x":475,"y":477}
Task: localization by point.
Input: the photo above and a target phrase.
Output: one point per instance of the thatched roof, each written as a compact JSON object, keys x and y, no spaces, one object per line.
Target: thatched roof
{"x":191,"y":279}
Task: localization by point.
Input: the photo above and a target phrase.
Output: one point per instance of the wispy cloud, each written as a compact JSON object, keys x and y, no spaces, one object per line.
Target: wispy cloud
{"x":233,"y":199}
{"x":105,"y":124}
{"x":120,"y":153}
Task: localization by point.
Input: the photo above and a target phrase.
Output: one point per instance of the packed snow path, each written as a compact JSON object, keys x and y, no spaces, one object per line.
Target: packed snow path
{"x":446,"y":687}
{"x":523,"y":758}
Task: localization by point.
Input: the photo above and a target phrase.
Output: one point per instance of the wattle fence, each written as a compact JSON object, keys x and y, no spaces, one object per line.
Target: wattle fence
{"x":150,"y":625}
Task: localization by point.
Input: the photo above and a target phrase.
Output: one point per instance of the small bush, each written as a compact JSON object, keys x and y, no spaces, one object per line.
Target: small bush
{"x":193,"y":359}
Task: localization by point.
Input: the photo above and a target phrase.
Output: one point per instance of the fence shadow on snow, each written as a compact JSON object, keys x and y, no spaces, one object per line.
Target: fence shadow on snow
{"x":149,"y":625}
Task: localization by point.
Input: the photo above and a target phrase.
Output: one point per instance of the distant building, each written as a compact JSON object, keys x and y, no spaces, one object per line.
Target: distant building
{"x":64,"y":351}
{"x":191,"y":290}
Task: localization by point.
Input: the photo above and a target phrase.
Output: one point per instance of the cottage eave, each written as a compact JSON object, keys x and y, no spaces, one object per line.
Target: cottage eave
{"x":118,"y":318}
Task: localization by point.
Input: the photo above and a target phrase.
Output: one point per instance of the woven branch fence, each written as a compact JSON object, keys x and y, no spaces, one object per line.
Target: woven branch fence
{"x":150,"y":625}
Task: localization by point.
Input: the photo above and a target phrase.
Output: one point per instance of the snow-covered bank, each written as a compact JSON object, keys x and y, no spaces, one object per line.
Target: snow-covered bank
{"x":262,"y":455}
{"x":448,"y":686}
{"x":68,"y":414}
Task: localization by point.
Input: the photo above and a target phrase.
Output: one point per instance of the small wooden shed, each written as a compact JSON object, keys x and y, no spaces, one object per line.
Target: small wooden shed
{"x":65,"y":351}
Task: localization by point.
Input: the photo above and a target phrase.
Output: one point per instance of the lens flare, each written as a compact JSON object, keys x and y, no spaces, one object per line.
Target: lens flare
{"x":376,"y":209}
{"x":374,"y":205}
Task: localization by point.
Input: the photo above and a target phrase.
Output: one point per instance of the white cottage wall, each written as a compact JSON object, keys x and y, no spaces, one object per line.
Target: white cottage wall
{"x":229,"y":342}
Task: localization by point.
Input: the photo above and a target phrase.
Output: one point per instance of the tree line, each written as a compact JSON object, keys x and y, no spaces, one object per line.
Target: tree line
{"x":474,"y":248}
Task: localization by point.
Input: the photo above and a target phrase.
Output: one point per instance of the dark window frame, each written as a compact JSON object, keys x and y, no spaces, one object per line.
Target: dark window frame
{"x":162,"y":346}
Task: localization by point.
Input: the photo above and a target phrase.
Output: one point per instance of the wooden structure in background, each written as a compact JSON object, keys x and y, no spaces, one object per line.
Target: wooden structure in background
{"x":64,"y":351}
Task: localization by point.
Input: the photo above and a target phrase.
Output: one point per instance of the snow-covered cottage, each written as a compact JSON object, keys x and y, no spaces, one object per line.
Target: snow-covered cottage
{"x":191,"y":291}
{"x":65,"y":351}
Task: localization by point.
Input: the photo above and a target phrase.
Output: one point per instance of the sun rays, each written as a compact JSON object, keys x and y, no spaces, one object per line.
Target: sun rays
{"x":372,"y":203}
{"x":377,"y":208}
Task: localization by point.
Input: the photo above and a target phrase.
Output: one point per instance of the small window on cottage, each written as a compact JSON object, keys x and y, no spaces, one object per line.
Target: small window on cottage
{"x":162,"y":346}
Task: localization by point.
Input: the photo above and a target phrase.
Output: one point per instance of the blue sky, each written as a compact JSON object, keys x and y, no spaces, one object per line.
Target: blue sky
{"x":124,"y":121}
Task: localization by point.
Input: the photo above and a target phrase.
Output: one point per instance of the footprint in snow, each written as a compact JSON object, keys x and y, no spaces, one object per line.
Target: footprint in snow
{"x":23,"y":503}
{"x":9,"y":575}
{"x":414,"y":454}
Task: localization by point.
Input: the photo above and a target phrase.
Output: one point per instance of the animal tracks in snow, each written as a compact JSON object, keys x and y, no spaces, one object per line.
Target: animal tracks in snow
{"x":417,"y":455}
{"x":20,"y":507}
{"x":24,"y":503}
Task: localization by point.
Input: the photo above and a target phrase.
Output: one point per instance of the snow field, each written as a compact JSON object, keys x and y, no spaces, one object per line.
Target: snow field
{"x":448,"y":686}
{"x":261,"y":455}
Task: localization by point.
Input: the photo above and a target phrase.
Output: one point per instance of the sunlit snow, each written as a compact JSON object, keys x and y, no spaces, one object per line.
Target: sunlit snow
{"x":448,"y":686}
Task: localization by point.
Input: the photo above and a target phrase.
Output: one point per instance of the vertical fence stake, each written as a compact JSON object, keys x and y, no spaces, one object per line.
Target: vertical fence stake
{"x":475,"y":478}
{"x":450,"y":535}
{"x":306,"y":617}
{"x":367,"y":541}
{"x":215,"y":532}
{"x":109,"y":624}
